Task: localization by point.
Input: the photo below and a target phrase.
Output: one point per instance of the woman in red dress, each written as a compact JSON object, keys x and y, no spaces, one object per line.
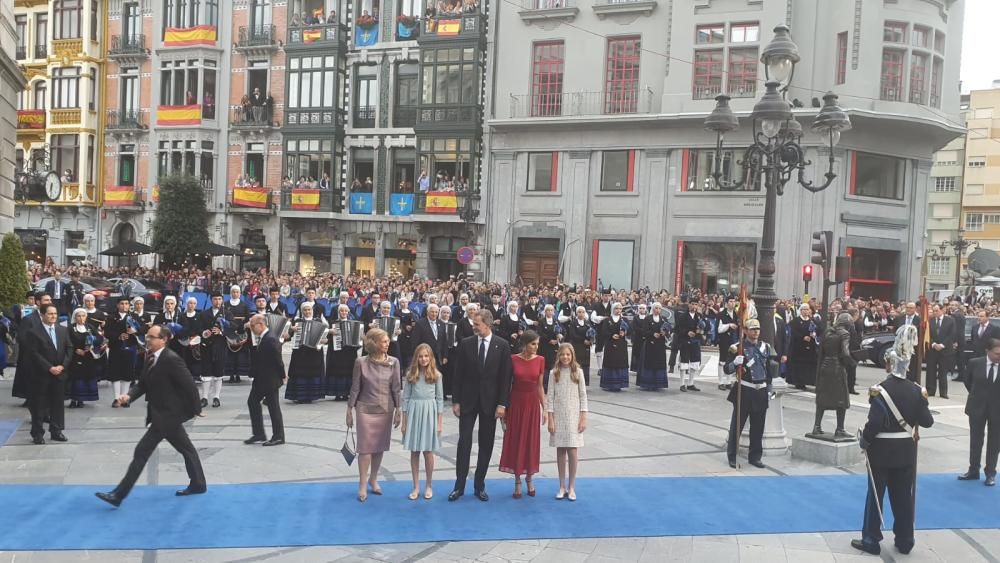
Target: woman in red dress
{"x":522,"y":432}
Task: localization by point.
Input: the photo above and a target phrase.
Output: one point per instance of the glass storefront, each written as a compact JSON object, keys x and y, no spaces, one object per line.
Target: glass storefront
{"x":716,"y":267}
{"x":873,"y":273}
{"x":314,"y":253}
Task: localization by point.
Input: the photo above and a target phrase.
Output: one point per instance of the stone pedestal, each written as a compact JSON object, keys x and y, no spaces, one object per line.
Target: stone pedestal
{"x":775,"y":440}
{"x":834,"y":454}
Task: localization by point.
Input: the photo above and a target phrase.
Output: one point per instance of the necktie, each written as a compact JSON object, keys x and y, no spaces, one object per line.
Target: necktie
{"x":482,"y":351}
{"x":150,"y":361}
{"x":52,"y":335}
{"x":982,"y":329}
{"x":434,"y":329}
{"x":58,"y":291}
{"x":993,"y":372}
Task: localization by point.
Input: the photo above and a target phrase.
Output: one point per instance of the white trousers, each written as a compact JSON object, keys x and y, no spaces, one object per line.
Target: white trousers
{"x":211,"y":387}
{"x":724,"y":378}
{"x":120,"y":388}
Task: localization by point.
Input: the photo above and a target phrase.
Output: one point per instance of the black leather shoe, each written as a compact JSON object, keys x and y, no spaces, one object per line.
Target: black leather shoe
{"x":944,"y":396}
{"x":275,"y":442}
{"x":757,"y":463}
{"x":904,"y":550}
{"x":58,"y":437}
{"x":969,"y":476}
{"x":732,"y":463}
{"x":111,"y":498}
{"x":991,"y":480}
{"x":873,"y":549}
{"x":255,"y":439}
{"x":455,"y":495}
{"x":38,"y":440}
{"x":189,"y":491}
{"x":216,"y":403}
{"x":481,"y":495}
{"x":204,"y":403}
{"x":693,"y":388}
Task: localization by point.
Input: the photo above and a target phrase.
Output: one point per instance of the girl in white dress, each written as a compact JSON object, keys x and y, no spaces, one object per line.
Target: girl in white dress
{"x":567,"y":417}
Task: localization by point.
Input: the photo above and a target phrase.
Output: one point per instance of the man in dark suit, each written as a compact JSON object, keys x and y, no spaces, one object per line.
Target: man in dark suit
{"x":171,"y":400}
{"x":982,"y":333}
{"x":56,"y":289}
{"x":982,"y":379}
{"x":481,"y":391}
{"x":941,"y":353}
{"x":371,"y":310}
{"x":267,"y":369}
{"x":25,"y":323}
{"x":50,"y":351}
{"x":430,"y":331}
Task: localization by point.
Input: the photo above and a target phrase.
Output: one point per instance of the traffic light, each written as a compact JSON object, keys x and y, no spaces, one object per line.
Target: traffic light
{"x":842,"y":271}
{"x":822,"y":248}
{"x":807,"y":273}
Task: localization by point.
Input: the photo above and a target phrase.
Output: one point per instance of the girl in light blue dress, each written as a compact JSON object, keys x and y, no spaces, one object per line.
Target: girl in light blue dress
{"x":423,"y":405}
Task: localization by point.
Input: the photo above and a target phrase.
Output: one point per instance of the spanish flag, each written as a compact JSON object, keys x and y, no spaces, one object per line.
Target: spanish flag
{"x":178,"y":115}
{"x":311,"y":35}
{"x":119,"y":195}
{"x":156,"y":194}
{"x":250,"y":197}
{"x":449,"y":27}
{"x":305,"y":199}
{"x":442,"y":202}
{"x":185,"y":37}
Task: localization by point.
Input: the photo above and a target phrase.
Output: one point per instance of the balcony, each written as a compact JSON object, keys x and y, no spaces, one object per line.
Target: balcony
{"x":250,"y":200}
{"x":182,"y":115}
{"x":20,"y":53}
{"x":67,"y":47}
{"x":123,"y":197}
{"x":296,"y":118}
{"x":251,"y":118}
{"x":575,"y":104}
{"x":450,"y":28}
{"x":605,"y":8}
{"x":257,"y":39}
{"x":548,"y":10}
{"x":447,"y":207}
{"x":41,"y":51}
{"x":66,"y":116}
{"x":125,"y":48}
{"x":449,"y":118}
{"x":77,"y":194}
{"x":404,"y":116}
{"x":31,"y":120}
{"x":330,"y":36}
{"x":125,"y":122}
{"x":364,"y":117}
{"x":305,"y":202}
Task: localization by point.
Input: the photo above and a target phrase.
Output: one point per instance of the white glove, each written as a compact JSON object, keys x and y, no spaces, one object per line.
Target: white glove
{"x":738,"y":361}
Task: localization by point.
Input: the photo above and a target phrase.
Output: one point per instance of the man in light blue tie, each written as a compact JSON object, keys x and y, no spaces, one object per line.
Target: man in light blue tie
{"x":50,"y":352}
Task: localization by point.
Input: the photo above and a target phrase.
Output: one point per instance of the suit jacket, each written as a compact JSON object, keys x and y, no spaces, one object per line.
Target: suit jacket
{"x":43,"y":355}
{"x":50,"y":290}
{"x":422,"y":334}
{"x":945,"y":334}
{"x":267,"y":368}
{"x":780,"y":337}
{"x":483,"y":387}
{"x":900,"y":320}
{"x":171,"y":395}
{"x":984,"y":397}
{"x":979,"y":342}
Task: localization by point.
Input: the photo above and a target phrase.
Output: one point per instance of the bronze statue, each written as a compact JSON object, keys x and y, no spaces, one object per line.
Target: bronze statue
{"x":831,"y":378}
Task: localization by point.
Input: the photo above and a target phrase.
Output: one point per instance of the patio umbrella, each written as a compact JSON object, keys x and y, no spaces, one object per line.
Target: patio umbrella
{"x":212,"y":249}
{"x":127,"y":248}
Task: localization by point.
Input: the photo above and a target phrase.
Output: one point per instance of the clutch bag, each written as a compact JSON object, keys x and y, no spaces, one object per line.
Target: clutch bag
{"x":348,"y":450}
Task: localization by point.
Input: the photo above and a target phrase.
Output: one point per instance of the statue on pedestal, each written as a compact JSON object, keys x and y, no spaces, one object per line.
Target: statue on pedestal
{"x":831,"y":379}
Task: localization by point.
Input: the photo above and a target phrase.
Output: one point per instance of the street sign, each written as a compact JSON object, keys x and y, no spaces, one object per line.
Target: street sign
{"x":465,"y":255}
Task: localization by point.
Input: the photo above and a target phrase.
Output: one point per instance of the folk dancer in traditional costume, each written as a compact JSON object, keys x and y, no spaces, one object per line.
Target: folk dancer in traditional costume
{"x":144,"y":320}
{"x":447,"y":365}
{"x":897,"y":408}
{"x":581,"y":335}
{"x":120,"y":332}
{"x":339,"y":363}
{"x":614,"y":367}
{"x":305,"y":370}
{"x":385,"y":311}
{"x":407,"y":319}
{"x":96,"y":320}
{"x":238,"y":360}
{"x":691,"y":330}
{"x":601,"y":312}
{"x":213,"y":322}
{"x":550,"y":334}
{"x":87,"y":351}
{"x":751,"y":393}
{"x":653,"y":369}
{"x":727,"y":334}
{"x":511,"y":326}
{"x":189,"y":338}
{"x":638,"y":327}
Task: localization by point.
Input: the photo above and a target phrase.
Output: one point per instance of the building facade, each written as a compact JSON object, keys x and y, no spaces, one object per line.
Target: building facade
{"x":600,"y":170}
{"x":944,"y":210}
{"x":11,"y":86}
{"x":981,"y":189}
{"x":60,"y":46}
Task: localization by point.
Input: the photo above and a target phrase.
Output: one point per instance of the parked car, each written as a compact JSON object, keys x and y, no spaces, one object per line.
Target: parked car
{"x":98,"y":287}
{"x":151,"y":296}
{"x":874,"y":346}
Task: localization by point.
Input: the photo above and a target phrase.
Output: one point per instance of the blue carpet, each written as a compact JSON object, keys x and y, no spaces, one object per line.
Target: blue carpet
{"x":7,"y":429}
{"x":285,"y":514}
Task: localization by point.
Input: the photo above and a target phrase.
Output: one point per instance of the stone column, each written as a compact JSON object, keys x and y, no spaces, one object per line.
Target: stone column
{"x":775,"y":437}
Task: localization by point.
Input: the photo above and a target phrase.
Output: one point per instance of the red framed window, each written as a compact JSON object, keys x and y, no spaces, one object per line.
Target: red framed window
{"x":918,"y":78}
{"x":708,"y":66}
{"x":742,"y":73}
{"x":936,"y":71}
{"x":710,"y":34}
{"x":547,"y":78}
{"x":894,"y":32}
{"x":892,"y":75}
{"x":840,"y":73}
{"x":621,"y":78}
{"x":921,"y":37}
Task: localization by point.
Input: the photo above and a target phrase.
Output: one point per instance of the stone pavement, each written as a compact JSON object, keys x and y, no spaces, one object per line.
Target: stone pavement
{"x":631,"y":433}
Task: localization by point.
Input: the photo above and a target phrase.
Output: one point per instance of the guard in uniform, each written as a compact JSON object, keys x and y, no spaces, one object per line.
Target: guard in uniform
{"x":889,"y":438}
{"x":758,"y":359}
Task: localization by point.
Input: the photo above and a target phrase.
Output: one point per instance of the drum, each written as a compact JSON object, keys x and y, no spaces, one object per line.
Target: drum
{"x":276,"y":324}
{"x":451,"y":335}
{"x":390,"y":325}
{"x":351,"y":333}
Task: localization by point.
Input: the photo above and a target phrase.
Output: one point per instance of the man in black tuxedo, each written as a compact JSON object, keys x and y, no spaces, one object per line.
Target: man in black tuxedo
{"x":25,"y":323}
{"x":982,"y":379}
{"x":941,"y":353}
{"x":49,"y":352}
{"x":481,"y":391}
{"x":267,"y":369}
{"x":430,"y":331}
{"x":171,"y":400}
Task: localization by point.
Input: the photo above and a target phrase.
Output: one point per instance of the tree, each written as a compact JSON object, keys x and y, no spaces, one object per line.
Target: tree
{"x":13,"y":272}
{"x":181,"y":225}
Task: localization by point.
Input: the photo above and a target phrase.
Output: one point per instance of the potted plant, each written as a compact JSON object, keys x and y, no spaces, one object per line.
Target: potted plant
{"x":366,"y":21}
{"x":407,"y":21}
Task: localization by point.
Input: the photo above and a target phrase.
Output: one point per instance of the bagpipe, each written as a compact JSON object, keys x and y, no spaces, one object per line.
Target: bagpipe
{"x":94,"y":343}
{"x":134,"y":324}
{"x":623,"y":327}
{"x":235,"y":338}
{"x":591,"y":334}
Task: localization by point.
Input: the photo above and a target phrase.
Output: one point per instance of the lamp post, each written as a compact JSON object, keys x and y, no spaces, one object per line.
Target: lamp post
{"x":958,"y":246}
{"x":775,"y":155}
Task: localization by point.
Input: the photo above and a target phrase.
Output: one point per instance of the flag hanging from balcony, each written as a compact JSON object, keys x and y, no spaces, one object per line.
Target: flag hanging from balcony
{"x":442,"y":202}
{"x":305,"y":199}
{"x":404,"y":32}
{"x":361,"y":204}
{"x":311,"y":35}
{"x":119,"y":195}
{"x":250,"y":197}
{"x":184,"y":37}
{"x":178,"y":115}
{"x":449,"y":27}
{"x":401,"y":204}
{"x":156,"y":194}
{"x":367,"y":36}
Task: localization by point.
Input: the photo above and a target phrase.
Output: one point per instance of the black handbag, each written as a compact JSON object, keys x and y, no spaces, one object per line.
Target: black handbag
{"x":349,"y":449}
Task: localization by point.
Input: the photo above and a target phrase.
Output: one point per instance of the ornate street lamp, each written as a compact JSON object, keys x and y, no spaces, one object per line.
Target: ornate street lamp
{"x":775,"y":154}
{"x":958,"y":246}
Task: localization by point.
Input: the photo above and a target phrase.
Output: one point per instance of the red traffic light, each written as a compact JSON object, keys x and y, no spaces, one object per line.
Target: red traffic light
{"x":807,"y":272}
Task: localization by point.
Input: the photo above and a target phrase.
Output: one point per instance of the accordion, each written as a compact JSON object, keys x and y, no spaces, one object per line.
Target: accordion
{"x":351,"y":333}
{"x":276,"y":324}
{"x":450,"y":335}
{"x":309,"y":334}
{"x":390,"y":325}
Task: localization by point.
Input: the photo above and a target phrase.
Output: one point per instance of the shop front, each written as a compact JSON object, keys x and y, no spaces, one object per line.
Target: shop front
{"x":874,"y":273}
{"x":715,"y":267}
{"x":314,"y":252}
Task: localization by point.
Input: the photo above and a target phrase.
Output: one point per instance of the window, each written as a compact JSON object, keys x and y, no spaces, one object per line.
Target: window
{"x":616,"y":171}
{"x":701,"y":166}
{"x":921,"y":37}
{"x":892,"y":75}
{"x":41,"y":35}
{"x":713,"y":267}
{"x":742,"y":72}
{"x":877,"y":176}
{"x":708,"y":73}
{"x":128,"y":84}
{"x":126,"y":165}
{"x":918,"y":78}
{"x":407,"y":95}
{"x":93,"y":19}
{"x":179,"y":84}
{"x":710,"y":34}
{"x":91,"y":168}
{"x":365,"y":95}
{"x":840,"y":72}
{"x":542,"y":172}
{"x":92,"y":100}
{"x":68,"y":14}
{"x":260,"y":16}
{"x":131,"y":22}
{"x":894,"y":32}
{"x":973,"y":221}
{"x":944,"y":184}
{"x":65,"y":153}
{"x":451,"y":163}
{"x":190,"y":158}
{"x":41,"y":95}
{"x":943,"y":211}
{"x":938,"y":68}
{"x":411,"y":8}
{"x":187,"y":13}
{"x":547,"y":78}
{"x":404,"y":163}
{"x":66,"y":87}
{"x":312,"y":82}
{"x":940,"y":266}
{"x":613,"y":263}
{"x":939,"y":42}
{"x":21,"y":32}
{"x":974,"y":189}
{"x":311,"y":158}
{"x":621,"y":78}
{"x":451,"y":76}
{"x":977,"y":162}
{"x":744,"y":33}
{"x":253,"y":166}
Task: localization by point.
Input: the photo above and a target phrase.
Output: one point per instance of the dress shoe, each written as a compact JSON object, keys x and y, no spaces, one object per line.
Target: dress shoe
{"x":867,"y":548}
{"x":904,"y":550}
{"x":757,"y":463}
{"x":190,"y":491}
{"x":854,"y":392}
{"x":481,"y":495}
{"x":693,"y":388}
{"x":275,"y":442}
{"x":216,"y":403}
{"x":722,"y":387}
{"x":969,"y":476}
{"x":111,"y":498}
{"x":204,"y":403}
{"x":732,"y":463}
{"x":38,"y":440}
{"x":255,"y":439}
{"x":58,"y":437}
{"x":455,"y":495}
{"x":684,"y":388}
{"x":944,"y":396}
{"x":991,"y":480}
